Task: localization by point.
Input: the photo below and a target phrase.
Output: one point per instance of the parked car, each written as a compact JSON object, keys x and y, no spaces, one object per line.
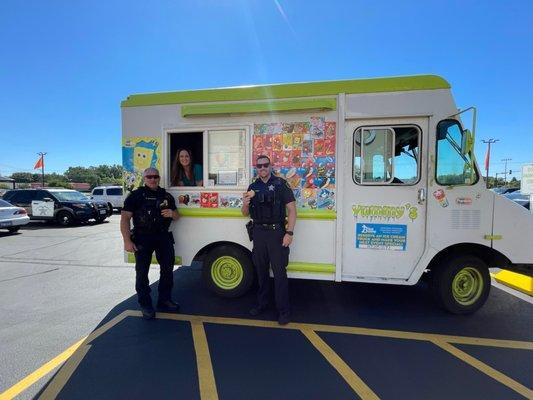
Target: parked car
{"x":112,"y":195}
{"x":519,"y":198}
{"x":504,"y":190}
{"x":62,"y":205}
{"x":11,"y":217}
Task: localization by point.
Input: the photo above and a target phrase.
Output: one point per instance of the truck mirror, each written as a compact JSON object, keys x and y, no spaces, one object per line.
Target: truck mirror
{"x":467,"y":144}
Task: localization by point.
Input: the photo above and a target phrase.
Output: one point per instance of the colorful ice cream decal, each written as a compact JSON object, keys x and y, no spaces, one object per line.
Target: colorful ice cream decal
{"x":440,"y":195}
{"x":303,"y":153}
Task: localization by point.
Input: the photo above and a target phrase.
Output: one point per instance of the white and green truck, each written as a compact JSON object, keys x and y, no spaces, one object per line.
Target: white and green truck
{"x":383,"y":172}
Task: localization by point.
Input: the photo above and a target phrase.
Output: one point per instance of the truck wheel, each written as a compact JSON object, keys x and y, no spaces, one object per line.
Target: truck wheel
{"x":64,"y":218}
{"x":228,"y":271}
{"x":13,"y":229}
{"x":461,"y":285}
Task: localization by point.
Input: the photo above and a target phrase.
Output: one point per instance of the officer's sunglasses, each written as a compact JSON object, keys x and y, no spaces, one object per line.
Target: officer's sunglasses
{"x":151,"y":176}
{"x":264,"y":165}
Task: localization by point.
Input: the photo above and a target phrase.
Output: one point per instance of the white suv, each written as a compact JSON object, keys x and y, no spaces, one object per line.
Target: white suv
{"x":112,"y":195}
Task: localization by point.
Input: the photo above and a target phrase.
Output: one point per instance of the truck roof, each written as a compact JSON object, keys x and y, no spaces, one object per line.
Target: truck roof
{"x":290,"y":90}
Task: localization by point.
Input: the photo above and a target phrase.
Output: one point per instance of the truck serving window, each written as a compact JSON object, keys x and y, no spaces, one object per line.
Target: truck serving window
{"x":387,"y":155}
{"x":454,"y":165}
{"x":226,"y":164}
{"x":190,"y":146}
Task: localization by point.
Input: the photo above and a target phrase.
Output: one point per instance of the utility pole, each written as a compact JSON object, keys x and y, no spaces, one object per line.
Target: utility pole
{"x":487,"y":157}
{"x":505,"y":160}
{"x":42,"y":165}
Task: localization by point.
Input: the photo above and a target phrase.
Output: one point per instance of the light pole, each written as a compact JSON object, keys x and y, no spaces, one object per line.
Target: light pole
{"x":487,"y":157}
{"x":505,"y":160}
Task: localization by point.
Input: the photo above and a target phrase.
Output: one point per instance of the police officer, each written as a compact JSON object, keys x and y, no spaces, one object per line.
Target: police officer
{"x":268,"y":200}
{"x":152,"y":210}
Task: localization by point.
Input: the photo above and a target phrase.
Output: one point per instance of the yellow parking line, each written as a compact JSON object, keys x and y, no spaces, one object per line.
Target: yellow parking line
{"x":206,"y":377}
{"x":64,"y":374}
{"x":50,"y":365}
{"x":39,"y":373}
{"x":511,"y":344}
{"x":494,"y":374}
{"x":342,"y":368}
{"x":208,"y":381}
{"x":109,"y":324}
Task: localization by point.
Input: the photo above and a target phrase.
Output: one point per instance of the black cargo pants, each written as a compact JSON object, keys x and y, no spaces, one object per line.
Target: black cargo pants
{"x":268,"y":251}
{"x":163,"y":245}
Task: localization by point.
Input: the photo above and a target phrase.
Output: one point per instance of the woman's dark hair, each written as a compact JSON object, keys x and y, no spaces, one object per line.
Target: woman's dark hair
{"x":178,"y":172}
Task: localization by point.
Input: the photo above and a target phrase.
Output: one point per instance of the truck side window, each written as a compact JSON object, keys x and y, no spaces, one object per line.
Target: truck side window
{"x":373,"y":153}
{"x":387,"y":155}
{"x":454,"y":167}
{"x":98,"y":192}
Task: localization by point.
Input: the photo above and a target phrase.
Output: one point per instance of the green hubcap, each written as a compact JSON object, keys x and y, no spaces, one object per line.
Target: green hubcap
{"x":467,"y":286}
{"x":227,"y":272}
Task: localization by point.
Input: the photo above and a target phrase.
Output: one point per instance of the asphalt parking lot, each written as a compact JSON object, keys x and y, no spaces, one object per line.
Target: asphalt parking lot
{"x":62,"y":285}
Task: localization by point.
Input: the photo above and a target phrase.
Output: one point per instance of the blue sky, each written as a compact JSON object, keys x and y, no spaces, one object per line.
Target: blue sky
{"x":66,"y":65}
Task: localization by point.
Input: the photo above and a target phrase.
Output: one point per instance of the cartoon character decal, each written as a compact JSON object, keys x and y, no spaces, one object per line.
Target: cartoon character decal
{"x":139,"y":153}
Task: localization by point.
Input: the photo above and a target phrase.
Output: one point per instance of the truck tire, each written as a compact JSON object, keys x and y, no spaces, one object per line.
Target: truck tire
{"x":461,"y":285}
{"x":64,"y":218}
{"x":228,"y":271}
{"x":13,"y":229}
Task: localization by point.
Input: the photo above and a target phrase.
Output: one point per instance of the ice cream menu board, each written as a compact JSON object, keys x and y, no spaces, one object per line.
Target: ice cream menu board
{"x":303,"y":153}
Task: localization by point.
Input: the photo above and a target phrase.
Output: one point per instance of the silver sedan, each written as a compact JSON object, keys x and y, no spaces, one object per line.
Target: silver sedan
{"x":11,"y":217}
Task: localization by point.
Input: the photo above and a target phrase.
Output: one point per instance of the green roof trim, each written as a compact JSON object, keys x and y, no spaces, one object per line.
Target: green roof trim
{"x":190,"y":110}
{"x":290,"y":90}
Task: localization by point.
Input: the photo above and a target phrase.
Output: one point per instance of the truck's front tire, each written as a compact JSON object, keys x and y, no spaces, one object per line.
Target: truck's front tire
{"x":228,"y":271}
{"x":461,"y":285}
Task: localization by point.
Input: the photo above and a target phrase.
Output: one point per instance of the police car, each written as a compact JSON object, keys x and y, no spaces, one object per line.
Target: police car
{"x":62,"y":205}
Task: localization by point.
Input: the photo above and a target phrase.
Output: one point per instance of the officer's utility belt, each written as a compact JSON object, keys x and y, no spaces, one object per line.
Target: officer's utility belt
{"x":138,"y":231}
{"x":273,"y":227}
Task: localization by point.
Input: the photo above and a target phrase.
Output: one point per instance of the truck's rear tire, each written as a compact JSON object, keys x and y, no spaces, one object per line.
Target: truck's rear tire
{"x":228,"y":271}
{"x":461,"y":285}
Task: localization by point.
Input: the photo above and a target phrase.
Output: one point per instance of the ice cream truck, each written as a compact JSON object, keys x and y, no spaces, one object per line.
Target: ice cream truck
{"x":383,"y":172}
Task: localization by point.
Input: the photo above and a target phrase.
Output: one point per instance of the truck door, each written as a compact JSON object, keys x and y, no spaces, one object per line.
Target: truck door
{"x":383,"y":198}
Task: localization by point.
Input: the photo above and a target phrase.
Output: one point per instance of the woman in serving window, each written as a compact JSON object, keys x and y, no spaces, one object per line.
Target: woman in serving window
{"x":184,"y":171}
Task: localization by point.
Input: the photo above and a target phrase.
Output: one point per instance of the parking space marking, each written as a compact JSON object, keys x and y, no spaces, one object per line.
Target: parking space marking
{"x":64,"y":374}
{"x":205,"y":370}
{"x":40,"y":372}
{"x":510,"y":344}
{"x":486,"y":369}
{"x":36,"y":375}
{"x":355,"y":382}
{"x":206,"y":377}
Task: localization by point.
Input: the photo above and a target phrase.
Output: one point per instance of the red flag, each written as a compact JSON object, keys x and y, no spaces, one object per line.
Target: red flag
{"x":487,"y":159}
{"x":39,"y":163}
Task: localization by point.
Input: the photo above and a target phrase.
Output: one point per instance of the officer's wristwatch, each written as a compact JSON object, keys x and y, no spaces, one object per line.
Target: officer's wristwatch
{"x":290,"y":233}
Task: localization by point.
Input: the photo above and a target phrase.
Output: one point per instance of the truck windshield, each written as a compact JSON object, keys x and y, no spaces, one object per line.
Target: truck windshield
{"x":70,"y":196}
{"x":453,"y":167}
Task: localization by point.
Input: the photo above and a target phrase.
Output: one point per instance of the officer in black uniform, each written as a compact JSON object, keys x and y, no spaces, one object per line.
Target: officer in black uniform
{"x":152,"y":210}
{"x":268,"y":200}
